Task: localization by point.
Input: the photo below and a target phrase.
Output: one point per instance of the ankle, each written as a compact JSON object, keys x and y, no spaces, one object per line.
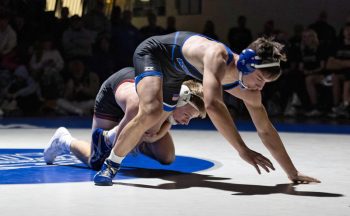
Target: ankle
{"x":115,"y":158}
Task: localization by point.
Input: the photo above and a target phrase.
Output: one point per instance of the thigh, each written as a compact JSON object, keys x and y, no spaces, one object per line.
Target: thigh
{"x":148,"y":78}
{"x":103,"y":123}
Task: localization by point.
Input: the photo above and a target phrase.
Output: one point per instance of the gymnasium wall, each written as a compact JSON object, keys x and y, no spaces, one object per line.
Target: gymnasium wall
{"x":285,"y":14}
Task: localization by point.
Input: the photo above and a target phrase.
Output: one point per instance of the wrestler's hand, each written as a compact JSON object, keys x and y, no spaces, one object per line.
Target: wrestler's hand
{"x":300,"y":178}
{"x":256,"y":159}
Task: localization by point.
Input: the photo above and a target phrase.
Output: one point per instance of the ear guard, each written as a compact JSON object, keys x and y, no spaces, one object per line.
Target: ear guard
{"x":248,"y":61}
{"x":184,"y":97}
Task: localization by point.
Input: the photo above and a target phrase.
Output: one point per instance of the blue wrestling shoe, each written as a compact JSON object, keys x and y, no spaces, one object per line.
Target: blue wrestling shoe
{"x":105,"y":176}
{"x":100,"y":149}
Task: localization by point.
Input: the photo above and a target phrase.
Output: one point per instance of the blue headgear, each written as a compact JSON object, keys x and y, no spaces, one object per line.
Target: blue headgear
{"x":248,"y":61}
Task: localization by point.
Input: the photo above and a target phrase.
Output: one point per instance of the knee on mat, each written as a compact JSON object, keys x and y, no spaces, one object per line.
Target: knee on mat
{"x":167,"y":160}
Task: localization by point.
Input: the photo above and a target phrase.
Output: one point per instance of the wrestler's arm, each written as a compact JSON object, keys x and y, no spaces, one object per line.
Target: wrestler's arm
{"x":272,"y":140}
{"x":164,"y":129}
{"x":214,"y":67}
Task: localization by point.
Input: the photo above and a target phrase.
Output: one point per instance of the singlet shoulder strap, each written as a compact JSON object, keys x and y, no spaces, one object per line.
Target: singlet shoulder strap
{"x":229,"y":86}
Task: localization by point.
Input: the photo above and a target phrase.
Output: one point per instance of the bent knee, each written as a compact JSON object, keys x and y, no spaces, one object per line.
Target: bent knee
{"x":167,"y":160}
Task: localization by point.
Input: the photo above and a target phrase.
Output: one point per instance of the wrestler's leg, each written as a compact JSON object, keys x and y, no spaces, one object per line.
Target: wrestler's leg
{"x":162,"y":150}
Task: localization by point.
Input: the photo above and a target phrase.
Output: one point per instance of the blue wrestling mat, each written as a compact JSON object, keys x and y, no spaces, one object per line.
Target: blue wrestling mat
{"x":27,"y":166}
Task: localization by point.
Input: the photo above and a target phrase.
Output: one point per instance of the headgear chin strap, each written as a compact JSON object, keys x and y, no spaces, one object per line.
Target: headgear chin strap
{"x":248,"y":61}
{"x":240,"y":81}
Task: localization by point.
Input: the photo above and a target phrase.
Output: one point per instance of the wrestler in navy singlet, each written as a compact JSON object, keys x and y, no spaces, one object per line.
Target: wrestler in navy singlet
{"x":162,"y":56}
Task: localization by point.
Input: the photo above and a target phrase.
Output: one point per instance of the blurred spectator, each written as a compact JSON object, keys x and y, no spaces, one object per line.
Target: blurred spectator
{"x":96,"y":20}
{"x":339,"y":64}
{"x":268,"y":30}
{"x":326,"y":33}
{"x":295,"y":40}
{"x":77,"y":41}
{"x":312,"y":64}
{"x":125,"y":39}
{"x":170,"y":25}
{"x":8,"y":37}
{"x":341,"y":32}
{"x":292,"y":85}
{"x":21,"y":93}
{"x":152,"y":28}
{"x":209,"y":30}
{"x":116,"y":16}
{"x":240,"y":37}
{"x":80,"y":90}
{"x":102,"y":62}
{"x":25,"y":36}
{"x":46,"y":64}
{"x":62,"y":24}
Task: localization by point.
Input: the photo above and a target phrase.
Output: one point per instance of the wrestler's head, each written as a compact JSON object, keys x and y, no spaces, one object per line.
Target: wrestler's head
{"x":262,"y":64}
{"x":190,"y":104}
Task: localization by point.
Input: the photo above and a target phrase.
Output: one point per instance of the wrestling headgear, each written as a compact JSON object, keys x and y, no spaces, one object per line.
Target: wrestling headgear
{"x":248,"y":61}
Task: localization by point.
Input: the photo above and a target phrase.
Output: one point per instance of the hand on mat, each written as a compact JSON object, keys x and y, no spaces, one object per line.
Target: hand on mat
{"x":256,"y":159}
{"x":300,"y":178}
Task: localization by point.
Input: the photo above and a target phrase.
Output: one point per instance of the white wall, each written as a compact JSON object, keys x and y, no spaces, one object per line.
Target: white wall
{"x":285,"y":14}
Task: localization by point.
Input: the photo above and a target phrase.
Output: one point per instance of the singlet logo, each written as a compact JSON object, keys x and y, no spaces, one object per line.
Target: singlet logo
{"x":183,"y":66}
{"x":185,"y":69}
{"x":149,"y":68}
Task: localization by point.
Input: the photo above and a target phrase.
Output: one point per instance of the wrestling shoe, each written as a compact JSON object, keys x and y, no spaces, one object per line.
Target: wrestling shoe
{"x":57,"y":145}
{"x":100,"y":149}
{"x":108,"y":171}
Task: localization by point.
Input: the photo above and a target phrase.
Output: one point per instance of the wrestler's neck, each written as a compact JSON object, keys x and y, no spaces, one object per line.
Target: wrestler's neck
{"x":233,"y":72}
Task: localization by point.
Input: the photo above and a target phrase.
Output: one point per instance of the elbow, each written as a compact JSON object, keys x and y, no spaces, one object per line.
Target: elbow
{"x":209,"y":104}
{"x":266,"y":131}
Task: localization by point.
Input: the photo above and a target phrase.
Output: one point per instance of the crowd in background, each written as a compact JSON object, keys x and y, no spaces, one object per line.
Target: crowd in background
{"x":55,"y":66}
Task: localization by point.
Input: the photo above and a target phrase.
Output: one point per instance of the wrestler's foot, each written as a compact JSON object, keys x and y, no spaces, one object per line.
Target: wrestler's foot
{"x":57,"y":145}
{"x":100,"y":149}
{"x":108,"y":171}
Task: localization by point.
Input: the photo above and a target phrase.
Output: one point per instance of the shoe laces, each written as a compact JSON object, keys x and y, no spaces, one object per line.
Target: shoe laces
{"x":110,"y":170}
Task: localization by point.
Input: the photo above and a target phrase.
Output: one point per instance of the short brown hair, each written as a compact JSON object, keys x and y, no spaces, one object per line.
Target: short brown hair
{"x":197,"y":96}
{"x":269,"y":51}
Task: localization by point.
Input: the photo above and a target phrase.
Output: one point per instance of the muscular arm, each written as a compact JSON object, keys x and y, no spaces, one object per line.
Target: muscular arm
{"x":164,"y":129}
{"x":214,"y":67}
{"x":269,"y":136}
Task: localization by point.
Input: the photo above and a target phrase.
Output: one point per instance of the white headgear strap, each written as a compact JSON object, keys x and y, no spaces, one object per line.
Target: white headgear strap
{"x":267,"y":65}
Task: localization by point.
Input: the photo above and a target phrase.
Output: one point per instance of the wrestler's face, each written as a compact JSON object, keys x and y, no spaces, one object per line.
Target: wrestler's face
{"x":183,"y":115}
{"x":255,"y":80}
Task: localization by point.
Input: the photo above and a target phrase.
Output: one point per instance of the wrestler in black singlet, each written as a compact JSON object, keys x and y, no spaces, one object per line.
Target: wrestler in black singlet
{"x":162,"y":56}
{"x":106,"y":106}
